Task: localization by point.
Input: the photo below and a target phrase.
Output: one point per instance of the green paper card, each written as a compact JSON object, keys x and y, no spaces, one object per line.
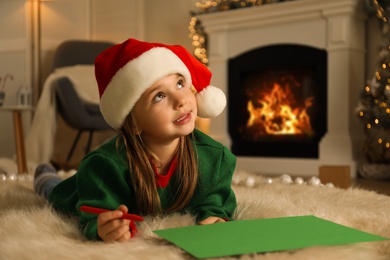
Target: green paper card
{"x":262,"y":235}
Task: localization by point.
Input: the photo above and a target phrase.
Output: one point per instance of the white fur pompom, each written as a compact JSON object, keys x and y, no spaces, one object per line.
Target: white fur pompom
{"x":211,"y":102}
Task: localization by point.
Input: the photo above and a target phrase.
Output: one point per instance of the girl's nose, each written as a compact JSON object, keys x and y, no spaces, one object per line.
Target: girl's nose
{"x":180,"y":100}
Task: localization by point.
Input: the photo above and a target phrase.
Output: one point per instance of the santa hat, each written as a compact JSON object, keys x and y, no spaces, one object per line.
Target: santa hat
{"x":124,"y":71}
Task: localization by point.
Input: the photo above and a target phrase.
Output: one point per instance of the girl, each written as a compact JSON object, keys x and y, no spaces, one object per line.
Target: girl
{"x":158,"y":163}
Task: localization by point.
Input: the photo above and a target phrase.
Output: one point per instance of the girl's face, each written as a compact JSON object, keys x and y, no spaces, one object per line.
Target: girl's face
{"x":166,"y":110}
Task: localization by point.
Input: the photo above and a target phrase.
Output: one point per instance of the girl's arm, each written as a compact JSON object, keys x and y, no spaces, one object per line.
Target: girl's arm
{"x":215,"y":197}
{"x":101,"y":183}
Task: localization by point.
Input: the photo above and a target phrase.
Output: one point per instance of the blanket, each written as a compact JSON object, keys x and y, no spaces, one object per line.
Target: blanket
{"x":40,"y":137}
{"x":30,"y":229}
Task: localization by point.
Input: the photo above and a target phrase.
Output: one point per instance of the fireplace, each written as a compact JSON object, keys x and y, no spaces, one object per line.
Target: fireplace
{"x":333,"y":28}
{"x":277,"y":101}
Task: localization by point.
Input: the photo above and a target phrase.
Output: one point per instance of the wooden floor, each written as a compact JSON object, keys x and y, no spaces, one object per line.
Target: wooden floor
{"x":381,"y":187}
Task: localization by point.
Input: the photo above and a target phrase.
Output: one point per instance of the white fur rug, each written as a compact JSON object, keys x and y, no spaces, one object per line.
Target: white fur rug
{"x":29,"y":229}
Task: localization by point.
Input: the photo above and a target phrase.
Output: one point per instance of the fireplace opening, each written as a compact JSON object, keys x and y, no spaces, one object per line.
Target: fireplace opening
{"x":277,"y":101}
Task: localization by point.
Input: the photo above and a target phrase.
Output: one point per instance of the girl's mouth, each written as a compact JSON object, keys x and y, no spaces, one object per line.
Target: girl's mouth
{"x":184,"y":119}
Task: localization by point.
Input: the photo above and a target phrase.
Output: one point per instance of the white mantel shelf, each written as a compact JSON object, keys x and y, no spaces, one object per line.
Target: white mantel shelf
{"x":337,"y":26}
{"x":280,"y":13}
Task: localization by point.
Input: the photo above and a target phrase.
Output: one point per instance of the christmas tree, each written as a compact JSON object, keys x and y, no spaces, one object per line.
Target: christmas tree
{"x":374,"y":106}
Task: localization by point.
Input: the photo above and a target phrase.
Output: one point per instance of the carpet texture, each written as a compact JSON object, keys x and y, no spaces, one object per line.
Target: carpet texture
{"x":30,"y":229}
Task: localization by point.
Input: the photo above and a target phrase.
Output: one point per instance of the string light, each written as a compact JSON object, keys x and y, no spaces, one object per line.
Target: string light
{"x":380,"y":12}
{"x":199,"y":40}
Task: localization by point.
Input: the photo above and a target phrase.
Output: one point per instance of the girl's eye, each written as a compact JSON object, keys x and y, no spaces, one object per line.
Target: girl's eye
{"x":180,"y":84}
{"x":160,"y":96}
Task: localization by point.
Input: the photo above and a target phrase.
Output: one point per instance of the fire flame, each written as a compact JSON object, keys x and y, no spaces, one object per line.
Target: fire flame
{"x":277,"y":116}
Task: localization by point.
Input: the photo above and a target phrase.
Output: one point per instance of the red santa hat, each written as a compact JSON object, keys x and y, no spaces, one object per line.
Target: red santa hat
{"x":124,"y":71}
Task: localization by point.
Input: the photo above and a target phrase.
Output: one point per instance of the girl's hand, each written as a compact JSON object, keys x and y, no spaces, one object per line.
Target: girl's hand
{"x":211,"y":220}
{"x":111,"y":227}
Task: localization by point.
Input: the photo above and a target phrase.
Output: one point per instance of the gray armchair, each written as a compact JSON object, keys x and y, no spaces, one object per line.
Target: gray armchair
{"x":82,"y":116}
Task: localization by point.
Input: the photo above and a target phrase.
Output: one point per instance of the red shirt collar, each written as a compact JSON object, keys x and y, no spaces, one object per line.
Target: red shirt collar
{"x":163,"y":180}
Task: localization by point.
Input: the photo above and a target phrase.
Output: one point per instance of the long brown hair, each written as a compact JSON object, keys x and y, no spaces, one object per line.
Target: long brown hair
{"x":142,"y":176}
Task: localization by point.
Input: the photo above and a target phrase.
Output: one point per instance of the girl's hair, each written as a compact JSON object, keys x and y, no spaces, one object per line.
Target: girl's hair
{"x":142,"y":177}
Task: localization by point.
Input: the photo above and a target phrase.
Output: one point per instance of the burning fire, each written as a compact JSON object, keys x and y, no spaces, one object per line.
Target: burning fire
{"x":276,"y":114}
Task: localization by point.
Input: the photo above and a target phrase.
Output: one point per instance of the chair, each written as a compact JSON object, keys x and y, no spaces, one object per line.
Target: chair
{"x":76,"y":113}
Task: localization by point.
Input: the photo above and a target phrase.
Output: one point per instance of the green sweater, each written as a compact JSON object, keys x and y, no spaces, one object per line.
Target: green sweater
{"x":102,"y":181}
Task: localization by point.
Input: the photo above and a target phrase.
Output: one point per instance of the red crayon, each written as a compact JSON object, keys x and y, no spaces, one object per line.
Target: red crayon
{"x":93,"y":210}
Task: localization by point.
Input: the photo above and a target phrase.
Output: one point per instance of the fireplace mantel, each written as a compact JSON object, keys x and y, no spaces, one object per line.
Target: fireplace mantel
{"x":337,"y":26}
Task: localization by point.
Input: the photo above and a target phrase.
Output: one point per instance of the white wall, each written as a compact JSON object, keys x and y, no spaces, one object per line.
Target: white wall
{"x":117,"y":20}
{"x":167,"y":21}
{"x":14,"y":60}
{"x":59,"y":21}
{"x":87,"y":20}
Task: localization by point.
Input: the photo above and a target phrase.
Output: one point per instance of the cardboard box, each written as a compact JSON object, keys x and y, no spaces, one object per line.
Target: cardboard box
{"x":339,"y":175}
